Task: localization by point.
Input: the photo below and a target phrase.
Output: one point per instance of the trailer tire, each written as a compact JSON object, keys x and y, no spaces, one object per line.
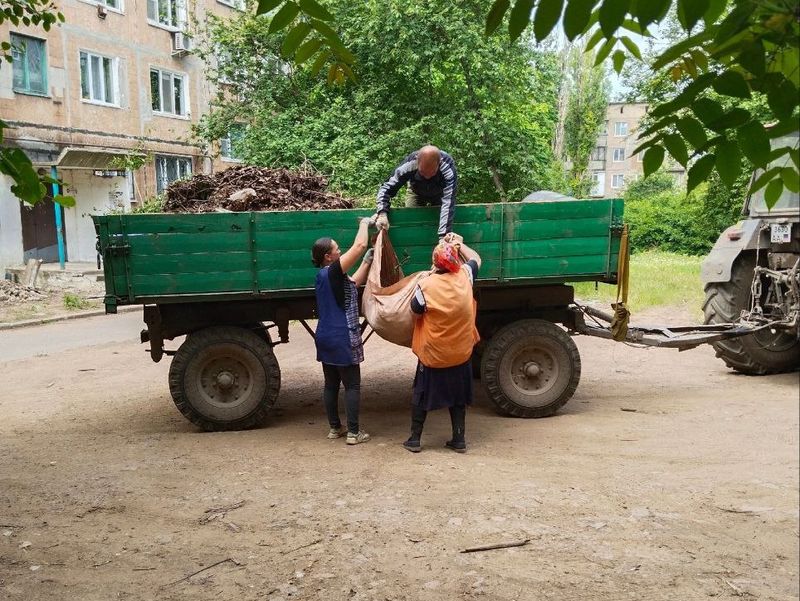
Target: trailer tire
{"x":530,"y":368}
{"x":224,"y":378}
{"x":756,"y":354}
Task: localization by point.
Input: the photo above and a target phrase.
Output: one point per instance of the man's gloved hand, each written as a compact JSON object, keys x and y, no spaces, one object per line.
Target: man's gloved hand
{"x":369,"y":255}
{"x":382,"y":221}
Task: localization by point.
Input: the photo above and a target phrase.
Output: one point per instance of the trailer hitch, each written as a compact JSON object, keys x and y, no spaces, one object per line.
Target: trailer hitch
{"x":680,"y":337}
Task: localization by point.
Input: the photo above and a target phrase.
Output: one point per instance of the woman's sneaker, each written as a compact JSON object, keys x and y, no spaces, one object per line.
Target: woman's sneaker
{"x":357,"y":438}
{"x":335,"y":433}
{"x":412,"y":445}
{"x":459,"y":446}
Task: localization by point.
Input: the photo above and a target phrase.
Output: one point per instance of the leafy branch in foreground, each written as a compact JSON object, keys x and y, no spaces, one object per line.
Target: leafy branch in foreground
{"x":733,"y":49}
{"x":309,"y":36}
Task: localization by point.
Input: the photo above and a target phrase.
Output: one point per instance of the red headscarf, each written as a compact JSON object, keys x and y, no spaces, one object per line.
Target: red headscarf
{"x":445,"y":256}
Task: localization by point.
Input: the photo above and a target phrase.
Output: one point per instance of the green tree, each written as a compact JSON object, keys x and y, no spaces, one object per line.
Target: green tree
{"x":426,"y":74}
{"x":28,"y":185}
{"x":736,"y":48}
{"x":587,"y":89}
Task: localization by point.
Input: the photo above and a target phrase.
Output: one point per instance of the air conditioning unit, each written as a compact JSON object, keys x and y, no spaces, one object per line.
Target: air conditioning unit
{"x":181,"y":43}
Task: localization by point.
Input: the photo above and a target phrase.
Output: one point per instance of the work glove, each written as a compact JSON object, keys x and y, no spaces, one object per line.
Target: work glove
{"x":369,"y":255}
{"x":370,"y":221}
{"x":382,"y":221}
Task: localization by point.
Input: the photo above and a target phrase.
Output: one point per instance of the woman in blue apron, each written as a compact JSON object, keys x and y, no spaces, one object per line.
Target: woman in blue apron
{"x":338,"y":337}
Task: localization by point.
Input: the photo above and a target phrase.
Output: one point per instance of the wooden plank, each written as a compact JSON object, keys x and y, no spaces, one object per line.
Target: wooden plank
{"x":555,"y":247}
{"x":570,"y":228}
{"x":166,"y":244}
{"x":554,"y":266}
{"x":558,"y":210}
{"x":202,"y":223}
{"x":192,"y":283}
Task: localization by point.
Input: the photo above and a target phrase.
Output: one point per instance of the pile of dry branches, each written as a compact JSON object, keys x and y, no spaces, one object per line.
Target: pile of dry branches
{"x":248,"y":188}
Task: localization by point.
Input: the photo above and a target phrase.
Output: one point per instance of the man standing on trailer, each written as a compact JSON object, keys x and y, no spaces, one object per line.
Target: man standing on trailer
{"x":432,"y":181}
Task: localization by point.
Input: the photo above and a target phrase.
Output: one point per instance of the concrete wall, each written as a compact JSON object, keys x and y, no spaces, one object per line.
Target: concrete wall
{"x":10,"y":227}
{"x":44,"y":125}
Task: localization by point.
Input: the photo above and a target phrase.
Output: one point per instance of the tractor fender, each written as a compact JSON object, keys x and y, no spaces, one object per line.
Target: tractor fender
{"x":744,"y":235}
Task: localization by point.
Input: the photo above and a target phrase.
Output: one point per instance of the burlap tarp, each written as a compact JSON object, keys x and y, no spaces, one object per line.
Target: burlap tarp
{"x":386,"y":303}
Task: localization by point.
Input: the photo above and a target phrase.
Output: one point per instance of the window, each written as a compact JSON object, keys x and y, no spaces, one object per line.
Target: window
{"x":98,"y":78}
{"x":230,"y":146}
{"x":619,"y":155}
{"x":599,"y":153}
{"x":30,"y":65}
{"x":620,"y":128}
{"x":171,"y":13}
{"x":115,"y":4}
{"x":598,"y":183}
{"x":168,"y":169}
{"x":168,"y":92}
{"x":617,"y":181}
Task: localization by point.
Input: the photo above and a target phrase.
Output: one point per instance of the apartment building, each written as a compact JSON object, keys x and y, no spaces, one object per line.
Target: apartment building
{"x":117,"y":79}
{"x":612,"y":163}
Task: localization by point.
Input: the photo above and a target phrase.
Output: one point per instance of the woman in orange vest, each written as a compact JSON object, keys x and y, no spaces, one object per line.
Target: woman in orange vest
{"x":444,"y":336}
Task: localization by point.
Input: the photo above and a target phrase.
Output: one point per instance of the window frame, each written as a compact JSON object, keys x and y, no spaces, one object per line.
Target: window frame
{"x":228,"y":141}
{"x":179,"y":159}
{"x":115,"y":88}
{"x":186,"y":114}
{"x":119,"y":10}
{"x":239,"y":5}
{"x":617,"y":127}
{"x":614,"y":158}
{"x":614,"y":177}
{"x":181,"y":20}
{"x":23,"y":61}
{"x":599,"y":153}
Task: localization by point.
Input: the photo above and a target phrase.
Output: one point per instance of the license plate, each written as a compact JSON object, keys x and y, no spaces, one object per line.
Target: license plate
{"x":780,"y":233}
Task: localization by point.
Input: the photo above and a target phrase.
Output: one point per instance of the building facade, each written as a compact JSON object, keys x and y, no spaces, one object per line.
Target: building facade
{"x":115,"y":83}
{"x":612,"y":164}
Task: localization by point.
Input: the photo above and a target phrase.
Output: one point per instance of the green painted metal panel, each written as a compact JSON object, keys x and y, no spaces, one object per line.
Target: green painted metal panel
{"x":263,"y":252}
{"x":548,"y":267}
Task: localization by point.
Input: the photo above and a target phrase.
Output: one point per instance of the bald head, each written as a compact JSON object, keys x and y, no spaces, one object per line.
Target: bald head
{"x":428,"y":158}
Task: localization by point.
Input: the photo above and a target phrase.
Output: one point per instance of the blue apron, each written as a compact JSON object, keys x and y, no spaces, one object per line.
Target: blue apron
{"x":338,"y":336}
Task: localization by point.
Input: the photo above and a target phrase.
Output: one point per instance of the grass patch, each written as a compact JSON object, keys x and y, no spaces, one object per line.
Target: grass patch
{"x":75,"y":302}
{"x":657,"y":278}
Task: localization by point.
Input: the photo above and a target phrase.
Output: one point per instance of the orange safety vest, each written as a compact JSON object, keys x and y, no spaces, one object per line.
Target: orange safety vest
{"x":445,"y":334}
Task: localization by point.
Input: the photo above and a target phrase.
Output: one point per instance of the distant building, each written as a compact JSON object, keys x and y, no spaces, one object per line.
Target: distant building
{"x":117,"y":79}
{"x":612,"y":163}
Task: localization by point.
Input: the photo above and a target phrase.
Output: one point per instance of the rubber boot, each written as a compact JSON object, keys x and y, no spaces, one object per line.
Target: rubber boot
{"x":458,"y":415}
{"x":418,"y":415}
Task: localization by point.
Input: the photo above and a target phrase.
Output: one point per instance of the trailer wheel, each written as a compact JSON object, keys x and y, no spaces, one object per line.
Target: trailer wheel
{"x":530,"y":368}
{"x":224,"y":378}
{"x":761,"y":353}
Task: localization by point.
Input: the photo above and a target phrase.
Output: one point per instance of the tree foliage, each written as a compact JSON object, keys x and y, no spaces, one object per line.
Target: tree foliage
{"x":427,"y":74}
{"x":587,"y":88}
{"x":736,"y":49}
{"x":28,"y":185}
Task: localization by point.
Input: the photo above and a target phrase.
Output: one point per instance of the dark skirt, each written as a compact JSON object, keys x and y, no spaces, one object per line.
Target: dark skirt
{"x":437,"y":388}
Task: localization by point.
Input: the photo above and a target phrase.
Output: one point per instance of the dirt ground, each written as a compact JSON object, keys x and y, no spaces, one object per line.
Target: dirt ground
{"x":667,"y":476}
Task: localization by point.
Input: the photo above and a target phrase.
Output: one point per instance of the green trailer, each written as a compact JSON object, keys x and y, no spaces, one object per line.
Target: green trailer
{"x":232,"y":282}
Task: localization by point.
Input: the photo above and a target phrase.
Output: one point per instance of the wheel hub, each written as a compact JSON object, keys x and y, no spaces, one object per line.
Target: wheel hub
{"x":533,"y":370}
{"x":225,"y":380}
